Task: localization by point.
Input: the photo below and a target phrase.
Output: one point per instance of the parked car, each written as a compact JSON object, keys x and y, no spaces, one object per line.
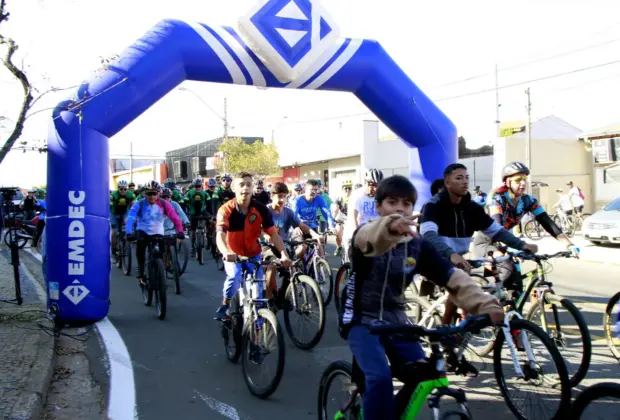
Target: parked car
{"x":604,"y":225}
{"x":12,"y":193}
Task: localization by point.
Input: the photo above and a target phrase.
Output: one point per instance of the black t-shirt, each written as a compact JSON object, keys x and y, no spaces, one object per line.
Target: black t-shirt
{"x":29,"y":203}
{"x":262,"y":197}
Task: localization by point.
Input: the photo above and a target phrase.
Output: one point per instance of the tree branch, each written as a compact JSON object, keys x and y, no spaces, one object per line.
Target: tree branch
{"x":45,"y":93}
{"x":23,"y":79}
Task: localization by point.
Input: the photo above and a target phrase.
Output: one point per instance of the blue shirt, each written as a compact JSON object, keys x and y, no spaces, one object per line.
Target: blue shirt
{"x":284,"y":221}
{"x":306,"y":211}
{"x":480,"y":199}
{"x":168,"y":225}
{"x":43,"y":205}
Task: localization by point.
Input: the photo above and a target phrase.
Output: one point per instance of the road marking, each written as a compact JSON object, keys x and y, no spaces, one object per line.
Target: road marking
{"x":122,"y":398}
{"x":219,"y":407}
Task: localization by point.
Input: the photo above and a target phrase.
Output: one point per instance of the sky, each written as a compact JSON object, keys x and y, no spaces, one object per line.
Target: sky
{"x":448,"y":48}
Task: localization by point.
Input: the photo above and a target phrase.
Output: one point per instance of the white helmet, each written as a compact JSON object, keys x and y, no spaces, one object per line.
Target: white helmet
{"x":373,"y":175}
{"x":122,"y":184}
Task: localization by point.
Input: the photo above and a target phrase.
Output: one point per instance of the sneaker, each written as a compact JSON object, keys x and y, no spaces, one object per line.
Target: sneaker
{"x":222,"y":312}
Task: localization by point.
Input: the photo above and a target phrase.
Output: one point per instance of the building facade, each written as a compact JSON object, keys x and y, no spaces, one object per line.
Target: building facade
{"x":605,"y":146}
{"x":197,"y":161}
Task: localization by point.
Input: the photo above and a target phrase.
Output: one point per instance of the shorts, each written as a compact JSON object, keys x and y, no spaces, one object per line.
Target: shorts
{"x":507,"y":272}
{"x":116,"y":220}
{"x":270,"y":253}
{"x":297,"y":235}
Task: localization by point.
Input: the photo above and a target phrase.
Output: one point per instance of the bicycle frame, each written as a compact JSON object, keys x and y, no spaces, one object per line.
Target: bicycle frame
{"x":251,"y":295}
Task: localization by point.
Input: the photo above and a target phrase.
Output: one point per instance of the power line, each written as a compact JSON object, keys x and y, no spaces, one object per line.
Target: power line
{"x":527,"y":63}
{"x":527,"y":81}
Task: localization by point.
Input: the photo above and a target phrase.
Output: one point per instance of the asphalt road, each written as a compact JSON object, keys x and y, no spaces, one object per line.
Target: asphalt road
{"x":181,"y":370}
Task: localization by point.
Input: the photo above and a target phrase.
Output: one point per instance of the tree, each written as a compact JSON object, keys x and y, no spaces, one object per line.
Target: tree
{"x":258,"y":158}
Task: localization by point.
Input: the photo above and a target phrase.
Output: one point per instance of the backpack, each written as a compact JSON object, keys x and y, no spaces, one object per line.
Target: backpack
{"x":583,"y":197}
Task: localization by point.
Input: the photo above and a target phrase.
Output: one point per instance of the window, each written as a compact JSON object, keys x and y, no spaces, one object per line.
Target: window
{"x":613,"y":206}
{"x":612,"y":175}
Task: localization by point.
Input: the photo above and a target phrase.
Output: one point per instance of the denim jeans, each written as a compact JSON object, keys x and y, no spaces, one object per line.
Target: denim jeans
{"x":370,"y":354}
{"x":234,"y":270}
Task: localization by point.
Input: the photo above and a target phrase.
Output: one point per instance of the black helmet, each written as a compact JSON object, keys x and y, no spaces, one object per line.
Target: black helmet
{"x":259,"y":183}
{"x":169,"y":183}
{"x":166,"y":192}
{"x":374,"y":176}
{"x":197,"y":182}
{"x":514,"y":168}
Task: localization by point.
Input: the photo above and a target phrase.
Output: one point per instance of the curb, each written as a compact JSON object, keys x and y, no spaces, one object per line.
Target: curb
{"x":33,"y":392}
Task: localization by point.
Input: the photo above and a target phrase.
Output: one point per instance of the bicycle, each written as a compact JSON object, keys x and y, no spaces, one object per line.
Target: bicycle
{"x":171,"y":261}
{"x":422,"y":382}
{"x":528,"y":371}
{"x":316,"y":267}
{"x":155,"y":281}
{"x":123,"y":251}
{"x":199,"y":239}
{"x":249,"y":317}
{"x":597,"y":392}
{"x":294,"y":295}
{"x":544,"y":296}
{"x":611,"y":325}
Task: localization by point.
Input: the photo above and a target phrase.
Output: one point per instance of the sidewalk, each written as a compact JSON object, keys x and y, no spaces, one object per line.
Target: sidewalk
{"x":609,"y":254}
{"x":26,"y":351}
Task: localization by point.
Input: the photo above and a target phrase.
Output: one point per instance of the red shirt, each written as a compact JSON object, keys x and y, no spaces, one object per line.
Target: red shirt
{"x":243,"y":230}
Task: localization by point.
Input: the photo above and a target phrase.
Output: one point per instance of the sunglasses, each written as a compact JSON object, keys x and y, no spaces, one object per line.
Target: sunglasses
{"x":150,"y":194}
{"x":259,"y":188}
{"x":122,"y":189}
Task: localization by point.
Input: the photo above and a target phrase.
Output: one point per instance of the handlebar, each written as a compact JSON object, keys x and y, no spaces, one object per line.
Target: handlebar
{"x":470,"y":325}
{"x":535,"y":257}
{"x":479,"y":262}
{"x":273,"y":261}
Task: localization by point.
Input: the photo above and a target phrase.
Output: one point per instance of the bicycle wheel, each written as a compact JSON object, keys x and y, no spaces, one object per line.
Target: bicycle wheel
{"x":21,"y":242}
{"x":561,"y":329}
{"x":183,"y":256}
{"x":200,"y":245}
{"x":337,"y":377}
{"x":174,"y":264}
{"x":482,"y":344}
{"x":534,"y":230}
{"x":126,"y":258}
{"x":147,"y":290}
{"x":325,"y":279}
{"x":339,"y":285}
{"x":159,"y":286}
{"x":232,"y":329}
{"x":303,"y":298}
{"x":611,"y":321}
{"x":120,"y":249}
{"x":598,"y":392}
{"x":255,"y":350}
{"x":534,"y":374}
{"x":421,"y":313}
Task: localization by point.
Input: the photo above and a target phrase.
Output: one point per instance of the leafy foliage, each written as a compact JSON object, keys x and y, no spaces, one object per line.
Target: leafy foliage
{"x":258,"y":158}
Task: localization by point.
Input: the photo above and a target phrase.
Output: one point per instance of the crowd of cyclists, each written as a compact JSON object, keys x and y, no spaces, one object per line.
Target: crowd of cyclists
{"x":375,"y":225}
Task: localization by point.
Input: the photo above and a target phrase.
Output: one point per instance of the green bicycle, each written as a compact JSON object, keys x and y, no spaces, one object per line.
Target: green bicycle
{"x":422,"y":381}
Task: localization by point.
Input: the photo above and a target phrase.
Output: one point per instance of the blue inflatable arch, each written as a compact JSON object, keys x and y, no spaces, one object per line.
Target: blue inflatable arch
{"x":78,"y":258}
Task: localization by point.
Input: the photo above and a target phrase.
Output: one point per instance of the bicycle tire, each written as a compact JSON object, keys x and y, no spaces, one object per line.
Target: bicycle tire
{"x":341,"y":276}
{"x":266,"y":391}
{"x":339,"y":367}
{"x":183,"y":250}
{"x":558,"y":361}
{"x":533,"y":225}
{"x":608,"y":321}
{"x":297,"y":280}
{"x":425,"y":305}
{"x":594,"y":392}
{"x":328,"y":290}
{"x":127,"y":258}
{"x":583,"y":331}
{"x":161,"y":298}
{"x":200,"y":247}
{"x":174,"y":260}
{"x":120,"y":249}
{"x":457,"y":415}
{"x":21,"y":243}
{"x":234,"y":326}
{"x":147,"y":290}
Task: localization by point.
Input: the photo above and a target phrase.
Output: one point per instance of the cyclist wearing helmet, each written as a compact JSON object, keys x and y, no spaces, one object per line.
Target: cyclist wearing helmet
{"x":169,"y":228}
{"x":223,"y":193}
{"x":120,"y":201}
{"x":362,"y":204}
{"x":175,"y":193}
{"x":260,"y":194}
{"x":328,"y":200}
{"x":340,"y":211}
{"x":211,"y":187}
{"x":149,"y":215}
{"x":296,"y":193}
{"x":199,"y":206}
{"x":507,"y":206}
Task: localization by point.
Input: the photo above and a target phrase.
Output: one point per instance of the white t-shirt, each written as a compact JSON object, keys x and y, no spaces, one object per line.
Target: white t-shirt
{"x":575,"y":197}
{"x":366,"y":210}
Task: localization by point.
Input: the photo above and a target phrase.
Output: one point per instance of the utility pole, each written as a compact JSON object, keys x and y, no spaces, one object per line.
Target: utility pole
{"x":497,"y":104}
{"x":225,"y":119}
{"x":131,"y":162}
{"x":528,"y":141}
